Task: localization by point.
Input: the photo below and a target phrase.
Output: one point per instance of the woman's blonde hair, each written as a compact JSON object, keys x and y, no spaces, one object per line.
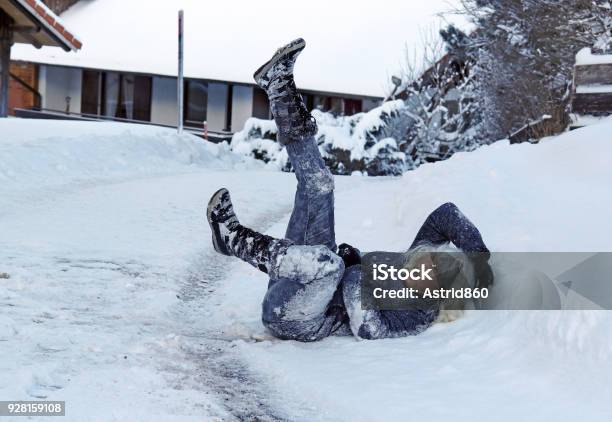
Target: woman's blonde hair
{"x":461,"y":275}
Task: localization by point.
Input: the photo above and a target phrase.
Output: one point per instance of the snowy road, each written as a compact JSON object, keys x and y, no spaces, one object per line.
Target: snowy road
{"x":109,"y":285}
{"x":116,"y":303}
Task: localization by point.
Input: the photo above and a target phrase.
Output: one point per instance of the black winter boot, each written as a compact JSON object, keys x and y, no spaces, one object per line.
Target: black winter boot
{"x":276,"y":78}
{"x":233,"y":239}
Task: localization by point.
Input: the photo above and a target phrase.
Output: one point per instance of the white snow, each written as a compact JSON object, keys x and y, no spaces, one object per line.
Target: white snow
{"x":579,"y":120}
{"x":544,"y":365}
{"x":593,"y":89}
{"x":90,"y":240}
{"x":586,"y":57}
{"x":226,"y":40}
{"x":35,"y":157}
{"x":103,"y":226}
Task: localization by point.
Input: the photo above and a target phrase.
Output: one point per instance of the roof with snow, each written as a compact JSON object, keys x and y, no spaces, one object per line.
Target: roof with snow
{"x":37,"y":25}
{"x":586,"y":57}
{"x":353,"y":48}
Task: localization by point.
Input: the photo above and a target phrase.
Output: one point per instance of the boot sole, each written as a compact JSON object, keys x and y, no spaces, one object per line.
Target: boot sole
{"x":214,"y":227}
{"x":289,"y":48}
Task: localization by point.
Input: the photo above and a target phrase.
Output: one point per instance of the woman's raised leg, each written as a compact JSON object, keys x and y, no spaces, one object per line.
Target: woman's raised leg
{"x":312,"y":219}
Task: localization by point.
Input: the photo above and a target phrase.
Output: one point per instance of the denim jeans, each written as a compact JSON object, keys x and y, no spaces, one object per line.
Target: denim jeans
{"x":312,"y":219}
{"x":299,"y":302}
{"x":311,"y":295}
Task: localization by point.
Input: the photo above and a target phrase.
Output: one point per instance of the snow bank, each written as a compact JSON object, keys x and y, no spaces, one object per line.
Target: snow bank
{"x":43,"y":153}
{"x":365,"y":142}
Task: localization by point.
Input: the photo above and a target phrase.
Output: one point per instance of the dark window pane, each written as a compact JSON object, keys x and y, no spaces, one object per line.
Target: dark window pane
{"x":309,"y":101}
{"x":142,"y":98}
{"x":196,"y":100}
{"x":352,"y":107}
{"x":322,"y":103}
{"x":126,"y":96}
{"x":261,"y":104}
{"x":90,"y":95}
{"x":336,"y":106}
{"x":228,"y":110}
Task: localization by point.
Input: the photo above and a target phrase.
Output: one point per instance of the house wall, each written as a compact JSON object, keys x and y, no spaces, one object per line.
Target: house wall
{"x":242,"y":106}
{"x":217,"y":106}
{"x":19,"y":96}
{"x":56,"y":83}
{"x":593,"y":89}
{"x":164,"y":101}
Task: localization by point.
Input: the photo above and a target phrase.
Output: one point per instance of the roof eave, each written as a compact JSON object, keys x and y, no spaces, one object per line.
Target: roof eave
{"x":29,"y":7}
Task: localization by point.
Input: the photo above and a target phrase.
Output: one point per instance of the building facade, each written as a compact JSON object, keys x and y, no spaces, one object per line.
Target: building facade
{"x":223,"y":105}
{"x":106,"y":87}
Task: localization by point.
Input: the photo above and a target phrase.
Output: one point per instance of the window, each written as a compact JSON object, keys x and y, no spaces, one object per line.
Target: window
{"x":116,"y":95}
{"x":308,"y":100}
{"x":90,"y":95}
{"x":261,"y":104}
{"x":111,"y":92}
{"x":352,"y":106}
{"x":196,"y":101}
{"x":142,"y":98}
{"x":228,"y":109}
{"x":337,"y":105}
{"x":334,"y":105}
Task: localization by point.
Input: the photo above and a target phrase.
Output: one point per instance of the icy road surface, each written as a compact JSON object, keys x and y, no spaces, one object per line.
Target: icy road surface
{"x":116,"y":303}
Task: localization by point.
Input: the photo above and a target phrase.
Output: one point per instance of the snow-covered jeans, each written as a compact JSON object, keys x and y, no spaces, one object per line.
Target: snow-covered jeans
{"x":299,"y":302}
{"x":310,"y":294}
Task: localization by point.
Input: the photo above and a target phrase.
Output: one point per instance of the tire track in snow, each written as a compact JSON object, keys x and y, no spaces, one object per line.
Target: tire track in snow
{"x":243,"y":394}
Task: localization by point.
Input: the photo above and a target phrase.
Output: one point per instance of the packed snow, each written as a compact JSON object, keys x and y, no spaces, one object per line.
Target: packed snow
{"x":543,"y":365}
{"x":116,"y":303}
{"x":593,"y":89}
{"x":586,"y":57}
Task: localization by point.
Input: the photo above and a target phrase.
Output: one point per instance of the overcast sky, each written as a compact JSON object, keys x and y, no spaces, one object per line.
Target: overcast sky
{"x":352,"y":46}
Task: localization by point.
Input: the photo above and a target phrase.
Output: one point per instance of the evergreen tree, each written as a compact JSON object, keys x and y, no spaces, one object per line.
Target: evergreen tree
{"x":523,"y":53}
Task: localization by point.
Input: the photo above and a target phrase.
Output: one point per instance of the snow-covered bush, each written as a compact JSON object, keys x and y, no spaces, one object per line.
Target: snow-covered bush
{"x":258,"y":140}
{"x":366,"y":142}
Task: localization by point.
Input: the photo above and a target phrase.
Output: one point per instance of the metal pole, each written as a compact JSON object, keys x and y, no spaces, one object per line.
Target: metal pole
{"x":181,"y":85}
